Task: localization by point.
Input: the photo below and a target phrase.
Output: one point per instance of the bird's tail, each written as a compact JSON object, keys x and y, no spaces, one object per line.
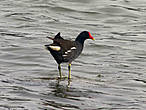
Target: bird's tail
{"x":56,"y":37}
{"x":50,"y":38}
{"x":47,"y":47}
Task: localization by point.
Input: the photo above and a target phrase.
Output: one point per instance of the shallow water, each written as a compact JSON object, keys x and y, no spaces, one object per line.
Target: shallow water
{"x":110,"y":74}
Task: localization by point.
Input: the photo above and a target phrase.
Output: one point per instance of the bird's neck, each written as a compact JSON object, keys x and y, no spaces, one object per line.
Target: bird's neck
{"x":80,"y":39}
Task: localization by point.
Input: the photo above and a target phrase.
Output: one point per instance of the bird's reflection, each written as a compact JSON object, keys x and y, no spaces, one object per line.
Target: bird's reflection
{"x":60,"y":87}
{"x":68,"y":82}
{"x":61,"y":90}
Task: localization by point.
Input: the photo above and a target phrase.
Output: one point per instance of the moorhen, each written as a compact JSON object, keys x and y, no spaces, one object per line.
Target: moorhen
{"x":65,"y":50}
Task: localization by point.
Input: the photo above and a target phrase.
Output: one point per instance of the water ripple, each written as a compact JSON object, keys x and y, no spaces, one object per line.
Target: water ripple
{"x":110,"y":72}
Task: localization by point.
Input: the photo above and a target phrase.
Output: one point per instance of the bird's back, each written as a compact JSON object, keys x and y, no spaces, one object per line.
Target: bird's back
{"x":64,"y":50}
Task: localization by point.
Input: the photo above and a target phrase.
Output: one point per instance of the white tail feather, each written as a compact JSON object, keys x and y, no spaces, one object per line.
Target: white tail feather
{"x":56,"y":48}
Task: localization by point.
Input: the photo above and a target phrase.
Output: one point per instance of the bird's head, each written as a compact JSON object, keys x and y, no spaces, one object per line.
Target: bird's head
{"x":83,"y":36}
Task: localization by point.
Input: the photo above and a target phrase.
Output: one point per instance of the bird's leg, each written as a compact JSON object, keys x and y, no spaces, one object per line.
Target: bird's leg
{"x":69,"y":69}
{"x":59,"y":68}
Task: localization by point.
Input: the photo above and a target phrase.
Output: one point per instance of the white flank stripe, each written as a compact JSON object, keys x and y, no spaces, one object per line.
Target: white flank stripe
{"x":69,"y":51}
{"x":66,"y":52}
{"x":56,"y":48}
{"x":64,"y":55}
{"x":73,"y":48}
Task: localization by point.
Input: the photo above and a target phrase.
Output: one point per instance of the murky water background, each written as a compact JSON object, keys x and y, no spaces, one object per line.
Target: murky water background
{"x":109,"y":75}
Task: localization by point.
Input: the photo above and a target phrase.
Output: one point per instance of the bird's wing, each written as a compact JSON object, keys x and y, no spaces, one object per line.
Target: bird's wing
{"x":65,"y":48}
{"x":58,"y":36}
{"x":68,"y":49}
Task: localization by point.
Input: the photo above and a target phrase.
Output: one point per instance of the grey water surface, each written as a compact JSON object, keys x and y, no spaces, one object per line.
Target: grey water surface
{"x":110,"y":74}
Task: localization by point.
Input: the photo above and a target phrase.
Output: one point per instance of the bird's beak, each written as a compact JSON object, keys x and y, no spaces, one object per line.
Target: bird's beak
{"x":90,"y":36}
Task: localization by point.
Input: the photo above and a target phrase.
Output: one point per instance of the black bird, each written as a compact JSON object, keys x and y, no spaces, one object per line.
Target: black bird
{"x":65,"y":50}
